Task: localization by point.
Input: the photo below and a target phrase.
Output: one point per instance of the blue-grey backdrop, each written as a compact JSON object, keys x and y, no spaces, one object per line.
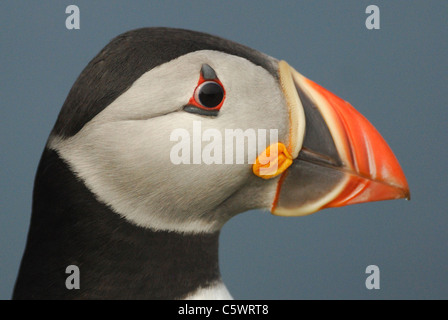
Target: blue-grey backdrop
{"x":396,"y":76}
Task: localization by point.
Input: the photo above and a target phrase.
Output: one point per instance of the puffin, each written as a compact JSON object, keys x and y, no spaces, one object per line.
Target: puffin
{"x":127,"y":192}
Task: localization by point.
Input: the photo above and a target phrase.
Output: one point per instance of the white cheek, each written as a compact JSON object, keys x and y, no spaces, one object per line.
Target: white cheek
{"x":123,"y":154}
{"x":127,"y":165}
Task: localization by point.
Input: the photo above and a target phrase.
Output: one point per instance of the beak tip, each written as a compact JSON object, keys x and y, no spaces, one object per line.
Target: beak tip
{"x":400,"y":182}
{"x":407,"y":195}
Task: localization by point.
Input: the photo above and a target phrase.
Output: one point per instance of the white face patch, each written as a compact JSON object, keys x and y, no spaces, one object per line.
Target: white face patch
{"x":123,"y":153}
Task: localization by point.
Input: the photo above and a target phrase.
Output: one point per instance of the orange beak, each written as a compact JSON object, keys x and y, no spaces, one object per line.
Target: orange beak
{"x":339,"y":157}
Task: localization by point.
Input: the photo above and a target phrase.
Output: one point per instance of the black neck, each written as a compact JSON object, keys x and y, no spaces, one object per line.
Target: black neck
{"x":116,"y":259}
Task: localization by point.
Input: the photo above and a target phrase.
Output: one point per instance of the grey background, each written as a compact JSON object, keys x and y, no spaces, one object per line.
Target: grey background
{"x":395,"y":76}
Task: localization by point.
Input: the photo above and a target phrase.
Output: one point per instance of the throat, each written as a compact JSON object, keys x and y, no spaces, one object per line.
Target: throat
{"x":116,"y":259}
{"x":151,"y":265}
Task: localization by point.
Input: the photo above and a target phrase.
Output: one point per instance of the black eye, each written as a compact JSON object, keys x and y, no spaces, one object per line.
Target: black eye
{"x":209,"y":94}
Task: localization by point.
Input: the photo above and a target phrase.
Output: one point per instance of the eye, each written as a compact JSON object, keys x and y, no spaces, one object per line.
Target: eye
{"x":209,"y":94}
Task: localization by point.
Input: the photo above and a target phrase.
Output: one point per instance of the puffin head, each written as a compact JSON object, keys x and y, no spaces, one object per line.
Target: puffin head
{"x":166,"y":135}
{"x":154,"y":124}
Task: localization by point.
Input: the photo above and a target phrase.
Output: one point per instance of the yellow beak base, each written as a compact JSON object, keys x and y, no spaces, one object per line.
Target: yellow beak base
{"x":273,"y":161}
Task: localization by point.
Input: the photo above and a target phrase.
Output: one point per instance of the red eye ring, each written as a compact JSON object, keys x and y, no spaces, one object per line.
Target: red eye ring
{"x":209,"y":94}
